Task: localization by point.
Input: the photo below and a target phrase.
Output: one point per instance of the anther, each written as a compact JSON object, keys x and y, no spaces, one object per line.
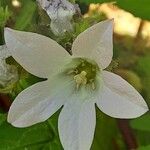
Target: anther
{"x":80,"y":79}
{"x":93,"y":86}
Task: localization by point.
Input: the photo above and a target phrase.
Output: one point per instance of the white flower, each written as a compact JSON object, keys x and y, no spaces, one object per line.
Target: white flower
{"x":75,"y":82}
{"x":8,"y":73}
{"x":60,"y":13}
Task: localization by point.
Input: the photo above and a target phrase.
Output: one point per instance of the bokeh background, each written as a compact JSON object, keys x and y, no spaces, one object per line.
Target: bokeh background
{"x":131,"y":61}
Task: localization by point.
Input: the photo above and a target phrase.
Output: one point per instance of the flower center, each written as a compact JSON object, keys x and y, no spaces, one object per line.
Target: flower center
{"x":84,"y":72}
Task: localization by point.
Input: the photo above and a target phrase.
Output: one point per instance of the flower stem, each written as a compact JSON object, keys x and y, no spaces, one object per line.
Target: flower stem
{"x":127,"y":134}
{"x":4,"y":102}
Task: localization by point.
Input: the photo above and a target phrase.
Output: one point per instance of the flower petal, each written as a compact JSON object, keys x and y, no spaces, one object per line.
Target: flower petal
{"x":38,"y":102}
{"x":119,"y":99}
{"x":96,"y":43}
{"x":76,"y":124}
{"x":38,"y":54}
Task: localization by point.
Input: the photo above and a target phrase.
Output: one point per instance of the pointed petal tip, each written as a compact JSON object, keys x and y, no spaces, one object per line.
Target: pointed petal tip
{"x":8,"y":117}
{"x":8,"y":120}
{"x":6,"y":29}
{"x":146,"y":108}
{"x":141,"y":110}
{"x":136,"y":115}
{"x":123,"y":99}
{"x":143,"y":105}
{"x":132,"y":116}
{"x":8,"y":33}
{"x":108,"y":20}
{"x":111,"y":22}
{"x":11,"y":121}
{"x":16,"y":123}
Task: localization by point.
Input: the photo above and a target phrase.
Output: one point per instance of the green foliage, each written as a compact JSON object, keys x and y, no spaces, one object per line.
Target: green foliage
{"x":106,"y":131}
{"x":26,"y":15}
{"x":2,"y":118}
{"x":37,"y":137}
{"x":143,"y":69}
{"x":144,"y":148}
{"x":142,"y":123}
{"x":143,"y":66}
{"x":139,"y":8}
{"x":142,"y":129}
{"x":4,"y":15}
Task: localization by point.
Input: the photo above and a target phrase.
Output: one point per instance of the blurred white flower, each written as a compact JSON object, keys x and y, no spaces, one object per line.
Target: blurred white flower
{"x":8,"y":73}
{"x":16,"y":3}
{"x":75,"y":82}
{"x":60,"y":13}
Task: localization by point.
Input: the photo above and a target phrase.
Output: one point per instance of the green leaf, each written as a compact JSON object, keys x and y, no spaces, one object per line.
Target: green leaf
{"x":2,"y":118}
{"x":43,"y":136}
{"x":142,"y":123}
{"x":4,"y":16}
{"x":143,"y":69}
{"x":143,"y":66}
{"x":139,"y":8}
{"x":105,"y":131}
{"x":35,"y":137}
{"x":26,"y":15}
{"x":144,"y":148}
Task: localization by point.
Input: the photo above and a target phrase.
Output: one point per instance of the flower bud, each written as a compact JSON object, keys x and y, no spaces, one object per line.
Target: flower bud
{"x":61,"y":13}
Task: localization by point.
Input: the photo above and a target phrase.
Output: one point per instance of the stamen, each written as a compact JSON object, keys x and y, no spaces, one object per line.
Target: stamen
{"x":80,"y":79}
{"x":93,"y":86}
{"x":84,"y":72}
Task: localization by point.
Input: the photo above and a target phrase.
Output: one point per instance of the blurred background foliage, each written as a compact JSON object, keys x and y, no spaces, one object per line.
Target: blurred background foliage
{"x":131,"y":61}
